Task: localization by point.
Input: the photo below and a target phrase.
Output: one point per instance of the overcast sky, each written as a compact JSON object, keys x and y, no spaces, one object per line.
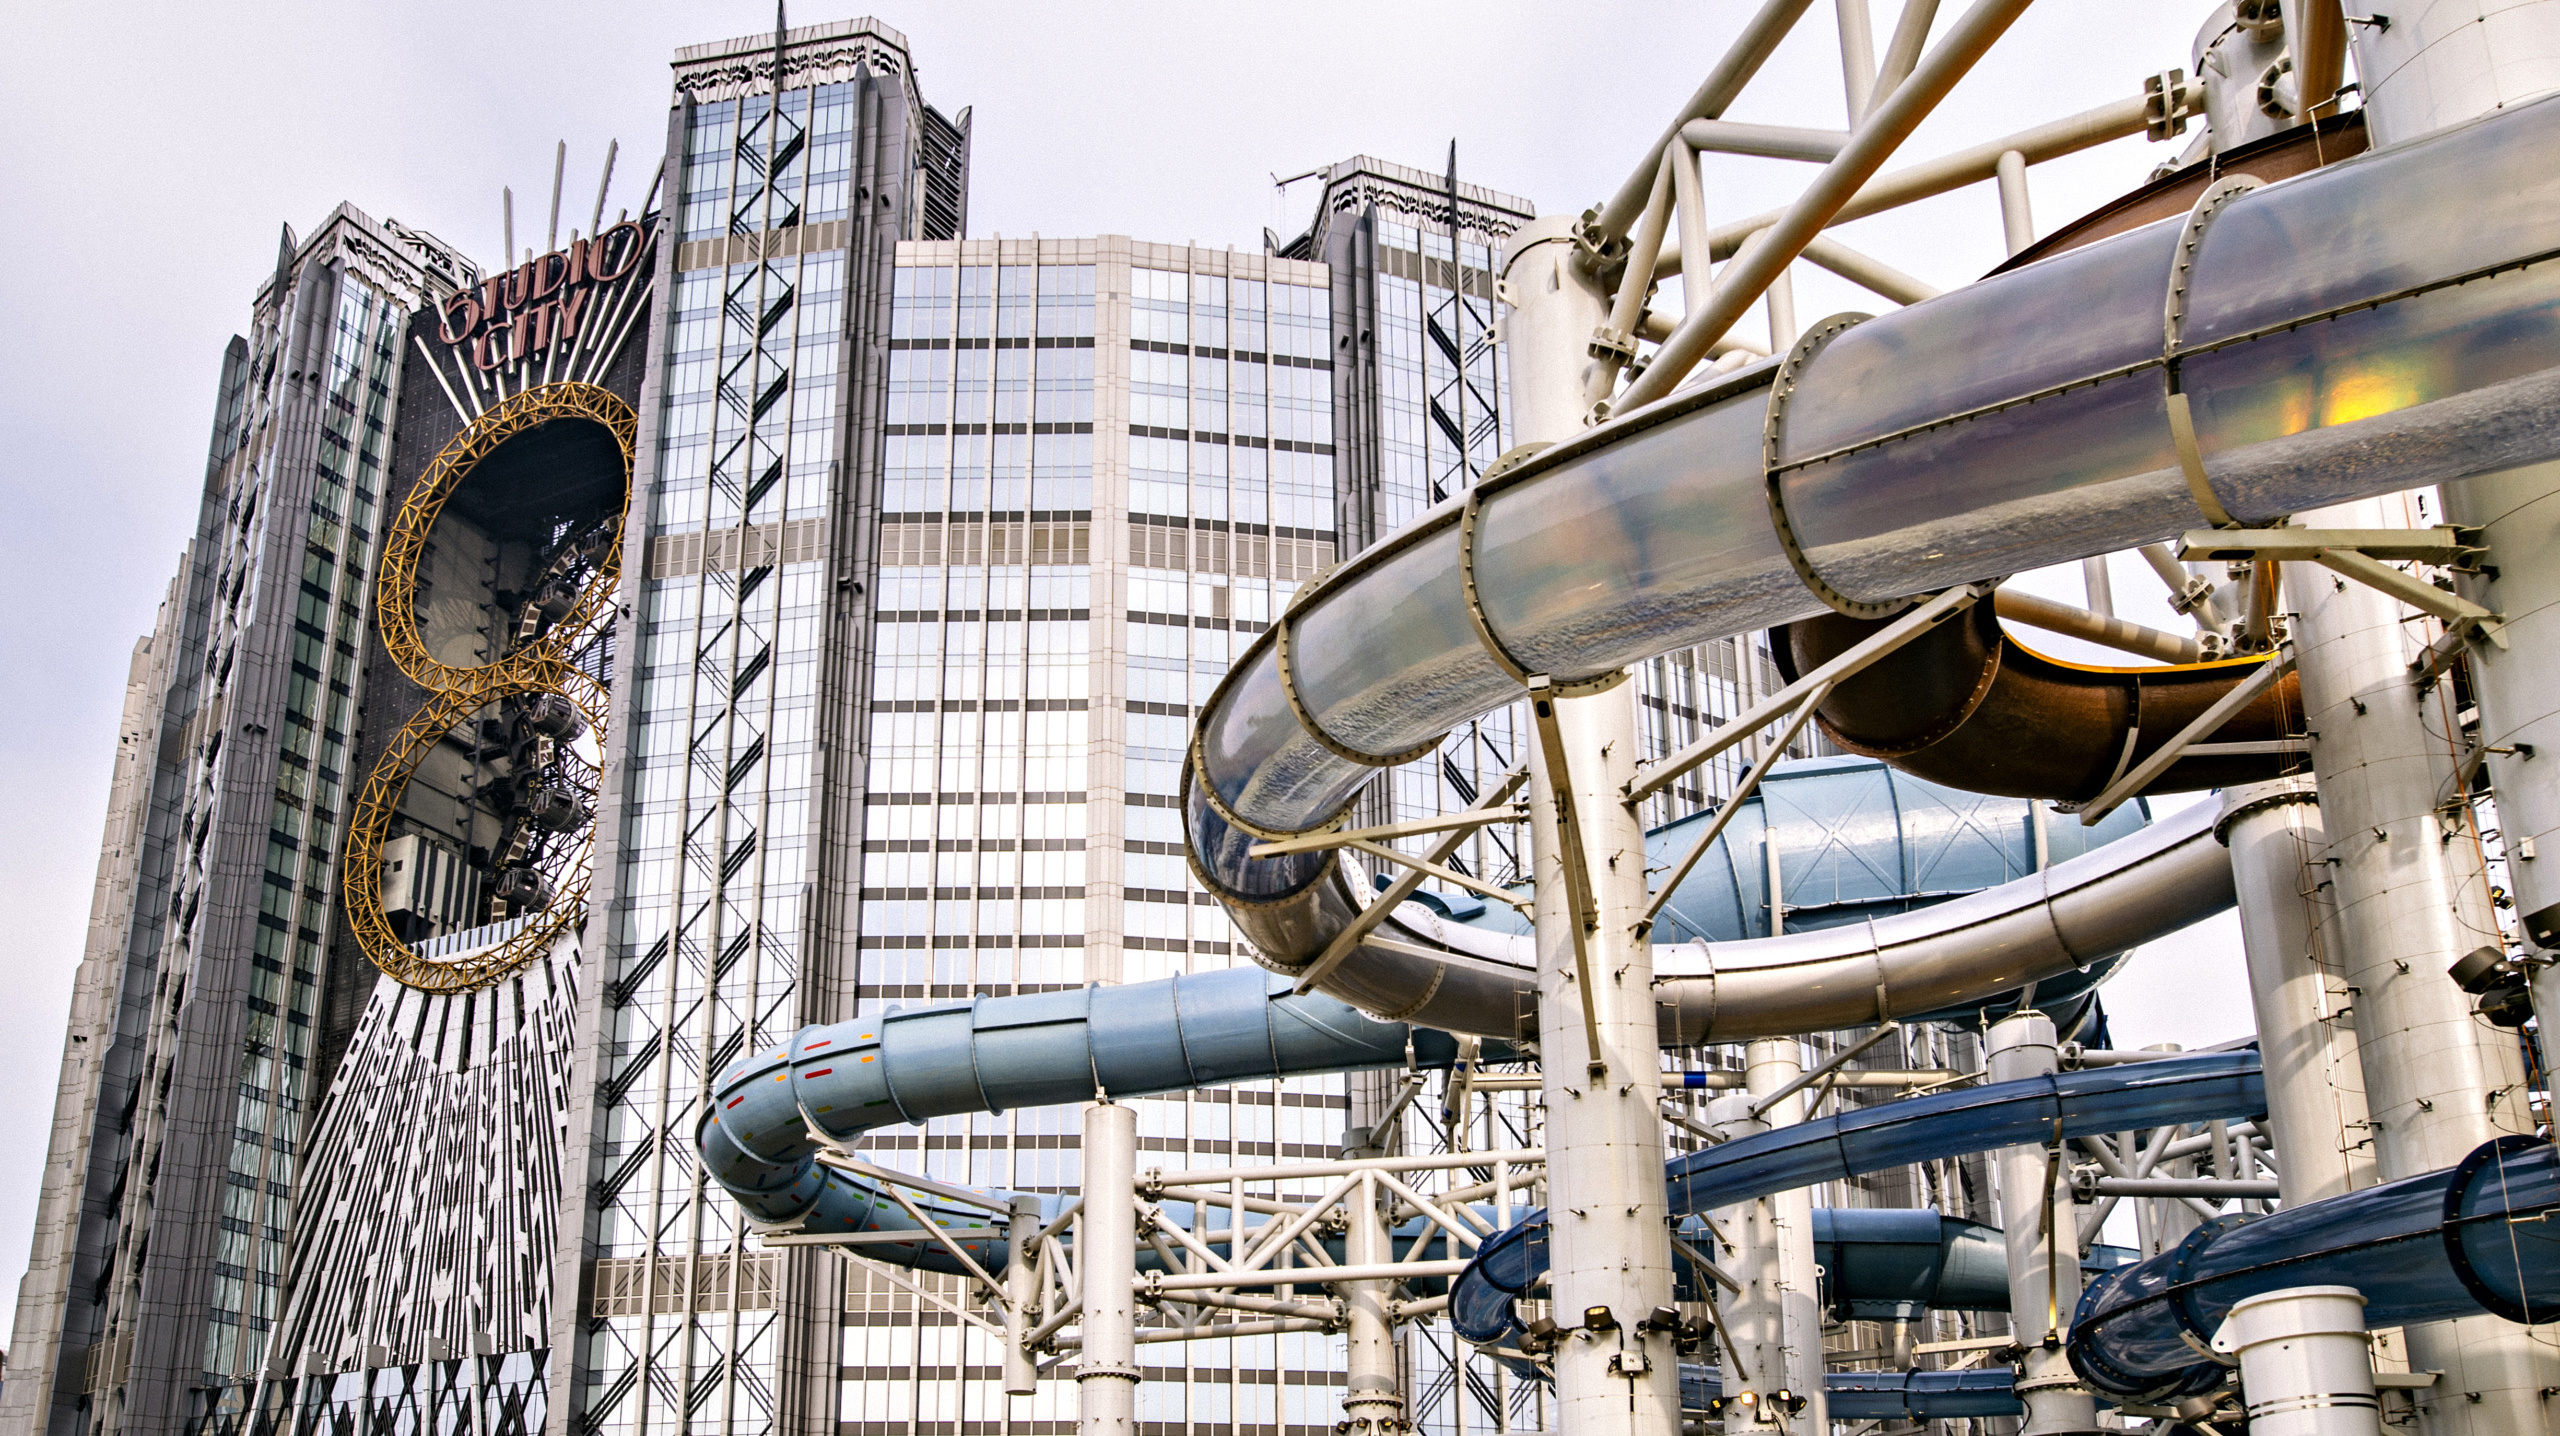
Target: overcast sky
{"x":154,"y":148}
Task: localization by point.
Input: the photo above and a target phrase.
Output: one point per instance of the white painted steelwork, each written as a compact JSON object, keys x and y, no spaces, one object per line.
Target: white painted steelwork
{"x":2439,"y":62}
{"x":2306,"y":1035}
{"x":2412,"y":898}
{"x":1596,"y":1031}
{"x":2305,"y":1369}
{"x":2039,"y":1221}
{"x":1107,"y":1264}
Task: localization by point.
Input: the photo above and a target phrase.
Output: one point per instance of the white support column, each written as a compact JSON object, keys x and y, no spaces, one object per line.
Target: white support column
{"x":1373,"y":1400}
{"x":1612,"y":1241}
{"x":1769,"y":1064}
{"x":2017,"y":217}
{"x":1611,"y":1234}
{"x":2518,"y":514}
{"x":2306,"y":1035}
{"x":2411,"y":899}
{"x":1752,"y":1320}
{"x":1107,"y":1264}
{"x":2304,"y":1367}
{"x":2044,"y":1253}
{"x":1021,"y":1297}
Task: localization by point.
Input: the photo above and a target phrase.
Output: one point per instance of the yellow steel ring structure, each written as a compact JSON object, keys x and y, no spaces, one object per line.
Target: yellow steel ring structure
{"x":380,"y":798}
{"x":396,"y":591}
{"x":546,"y":664}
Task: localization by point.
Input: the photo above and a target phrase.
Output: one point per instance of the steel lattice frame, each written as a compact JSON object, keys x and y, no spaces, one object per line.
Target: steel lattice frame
{"x":547,"y":663}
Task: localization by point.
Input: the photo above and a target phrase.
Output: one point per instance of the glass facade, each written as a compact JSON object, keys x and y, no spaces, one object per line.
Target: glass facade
{"x":741,"y":730}
{"x":707,"y":932}
{"x":1106,"y":465}
{"x":203,"y":1155}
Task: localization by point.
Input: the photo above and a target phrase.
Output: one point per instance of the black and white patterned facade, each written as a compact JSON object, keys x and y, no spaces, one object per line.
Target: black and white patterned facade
{"x":431,"y":1208}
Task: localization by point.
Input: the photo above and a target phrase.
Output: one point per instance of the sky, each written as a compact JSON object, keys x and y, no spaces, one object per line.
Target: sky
{"x":155,"y":148}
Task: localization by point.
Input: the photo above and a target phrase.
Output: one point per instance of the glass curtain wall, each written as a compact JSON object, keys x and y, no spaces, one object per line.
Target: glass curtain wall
{"x":1107,"y":464}
{"x":705,"y":948}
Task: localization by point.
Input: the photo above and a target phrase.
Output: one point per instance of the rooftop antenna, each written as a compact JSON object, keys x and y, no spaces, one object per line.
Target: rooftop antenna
{"x":595,"y":226}
{"x":560,"y":169}
{"x":507,"y":202}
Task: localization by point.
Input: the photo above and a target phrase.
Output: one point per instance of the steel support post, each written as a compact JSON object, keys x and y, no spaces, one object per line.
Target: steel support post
{"x":1597,"y":1038}
{"x":2518,"y":514}
{"x":2041,"y":1225}
{"x":2411,"y":899}
{"x":2306,"y":1037}
{"x":1753,"y":1322}
{"x":1107,"y":1264}
{"x":1373,"y":1399}
{"x":1768,"y":1065}
{"x":1612,"y":1241}
{"x":1021,"y":1297}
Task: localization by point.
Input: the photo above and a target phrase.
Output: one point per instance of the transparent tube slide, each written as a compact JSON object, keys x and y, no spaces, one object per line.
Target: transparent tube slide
{"x":2339,"y":339}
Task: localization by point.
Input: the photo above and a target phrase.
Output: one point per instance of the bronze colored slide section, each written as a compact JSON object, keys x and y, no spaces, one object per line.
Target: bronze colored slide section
{"x":1969,"y":706}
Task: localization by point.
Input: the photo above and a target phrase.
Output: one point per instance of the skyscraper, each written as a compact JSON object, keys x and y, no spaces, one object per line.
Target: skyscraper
{"x":167,"y":1193}
{"x":761,"y":609}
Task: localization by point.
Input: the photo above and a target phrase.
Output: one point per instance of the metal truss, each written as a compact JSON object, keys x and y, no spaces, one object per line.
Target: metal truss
{"x":543,"y":660}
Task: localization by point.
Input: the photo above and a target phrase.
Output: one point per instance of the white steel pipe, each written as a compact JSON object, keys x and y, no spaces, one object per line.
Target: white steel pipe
{"x":2034,"y":611}
{"x":1857,"y":57}
{"x":1752,"y":1329}
{"x":2210,"y":1188}
{"x":1372,"y":1402}
{"x":1876,"y":138}
{"x":2305,"y":1369}
{"x":2411,"y":898}
{"x":1954,"y":171}
{"x":1155,"y":1282}
{"x":1868,"y":272}
{"x":1689,"y":213}
{"x":2017,"y":216}
{"x":1777,"y":142}
{"x":1021,"y":1298}
{"x":1107,"y":1262}
{"x":2306,"y":1035}
{"x":1750,"y":50}
{"x":2038,"y":1220}
{"x":1771,"y":1064}
{"x":1910,"y":35}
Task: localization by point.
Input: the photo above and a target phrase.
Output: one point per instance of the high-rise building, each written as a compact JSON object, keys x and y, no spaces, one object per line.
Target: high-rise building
{"x":764,"y":608}
{"x":190,"y":1075}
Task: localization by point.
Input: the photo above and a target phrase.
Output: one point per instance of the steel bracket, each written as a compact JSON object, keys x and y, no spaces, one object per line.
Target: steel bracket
{"x":1773,"y":470}
{"x":2182,"y":426}
{"x":1582,"y":917}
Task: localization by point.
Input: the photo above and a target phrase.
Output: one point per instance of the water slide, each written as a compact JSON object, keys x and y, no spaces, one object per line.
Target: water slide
{"x":2478,"y":1236}
{"x":2331,"y":337}
{"x":2335,"y":341}
{"x":2197,"y":1088}
{"x":1888,"y":842}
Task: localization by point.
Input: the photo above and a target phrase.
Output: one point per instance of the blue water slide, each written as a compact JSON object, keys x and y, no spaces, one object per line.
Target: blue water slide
{"x":2475,"y":1237}
{"x":1884,"y":1395}
{"x":771,"y":1109}
{"x":2031,"y":1111}
{"x":1869,"y":851}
